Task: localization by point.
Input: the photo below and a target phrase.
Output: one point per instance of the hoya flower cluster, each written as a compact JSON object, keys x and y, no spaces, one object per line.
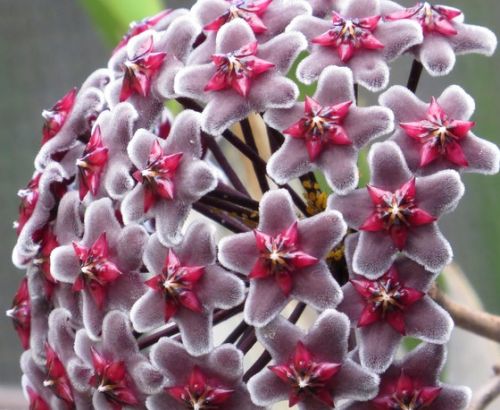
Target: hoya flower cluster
{"x":138,"y":235}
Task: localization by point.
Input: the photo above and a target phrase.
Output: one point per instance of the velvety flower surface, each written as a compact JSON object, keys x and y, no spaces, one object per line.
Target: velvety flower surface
{"x":311,"y":369}
{"x":326,"y":132}
{"x":355,"y":37}
{"x":413,"y":382}
{"x":211,"y":381}
{"x":445,"y":34}
{"x":398,"y":212}
{"x":113,"y":371}
{"x":266,"y":88}
{"x":284,"y":258}
{"x":386,"y":309}
{"x":266,"y":18}
{"x":103,"y":266}
{"x":186,"y":286}
{"x":439,"y":135}
{"x":170,"y":177}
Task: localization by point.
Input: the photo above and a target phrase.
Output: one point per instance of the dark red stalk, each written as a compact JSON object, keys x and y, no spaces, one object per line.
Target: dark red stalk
{"x":415,"y":73}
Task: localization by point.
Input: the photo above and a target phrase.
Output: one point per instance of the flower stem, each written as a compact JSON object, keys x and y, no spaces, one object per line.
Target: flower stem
{"x":224,"y":163}
{"x":265,"y":357}
{"x":219,"y":316}
{"x":260,"y":172}
{"x":488,"y":393}
{"x":229,"y":194}
{"x":276,"y":139}
{"x":415,"y":73}
{"x":227,"y":206}
{"x":475,"y":321}
{"x":221,"y":218}
{"x":237,"y":332}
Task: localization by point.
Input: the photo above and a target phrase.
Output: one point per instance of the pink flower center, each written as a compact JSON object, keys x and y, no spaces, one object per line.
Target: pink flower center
{"x":433,"y":19}
{"x":178,"y":283}
{"x":439,"y":135}
{"x":320,"y":126}
{"x":237,"y":69}
{"x":199,"y":394}
{"x":250,"y":11}
{"x":407,"y":394}
{"x":396,"y":212}
{"x":385,"y":299}
{"x":350,"y":35}
{"x":307,"y":377}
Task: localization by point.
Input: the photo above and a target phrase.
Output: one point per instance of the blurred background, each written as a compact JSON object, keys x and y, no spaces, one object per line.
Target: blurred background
{"x":49,"y":46}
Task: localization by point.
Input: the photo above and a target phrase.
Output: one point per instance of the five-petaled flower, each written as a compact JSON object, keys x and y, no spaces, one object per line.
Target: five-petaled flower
{"x":140,"y":69}
{"x":186,"y":286}
{"x":398,"y":212}
{"x":439,"y":135}
{"x":198,"y":393}
{"x":445,"y":34}
{"x":20,"y":312}
{"x":386,"y":309}
{"x":96,"y":270}
{"x":348,"y":35}
{"x":280,"y":256}
{"x":177,"y":282}
{"x":413,"y":383}
{"x":312,"y":370}
{"x":237,"y":69}
{"x":285,"y":257}
{"x":91,"y":164}
{"x":327,"y":132}
{"x":359,"y":39}
{"x":306,"y":376}
{"x":56,"y":116}
{"x":158,"y":175}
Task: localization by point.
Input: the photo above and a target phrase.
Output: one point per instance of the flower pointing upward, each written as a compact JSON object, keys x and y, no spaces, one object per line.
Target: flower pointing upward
{"x":439,"y":135}
{"x":349,"y":35}
{"x":158,"y":175}
{"x":237,"y":69}
{"x":177,"y":282}
{"x":91,"y":164}
{"x":198,"y":394}
{"x":140,"y":69}
{"x":321,"y":125}
{"x":307,"y":377}
{"x":96,"y":271}
{"x":280,"y":256}
{"x":396,"y":212}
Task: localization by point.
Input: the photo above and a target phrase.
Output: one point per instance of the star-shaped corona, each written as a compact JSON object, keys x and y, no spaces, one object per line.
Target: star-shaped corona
{"x":396,"y":212}
{"x":57,"y":115}
{"x":307,"y":377}
{"x":158,"y":175}
{"x":350,"y":35}
{"x":439,"y":135}
{"x":248,"y":10}
{"x":96,"y":270}
{"x":178,"y":283}
{"x":236,"y":70}
{"x":321,"y":125}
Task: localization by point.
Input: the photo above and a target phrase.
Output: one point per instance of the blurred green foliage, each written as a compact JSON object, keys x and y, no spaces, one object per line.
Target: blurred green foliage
{"x":112,"y":17}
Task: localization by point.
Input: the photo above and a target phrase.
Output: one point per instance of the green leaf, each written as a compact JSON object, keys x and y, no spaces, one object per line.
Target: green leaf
{"x":112,"y":17}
